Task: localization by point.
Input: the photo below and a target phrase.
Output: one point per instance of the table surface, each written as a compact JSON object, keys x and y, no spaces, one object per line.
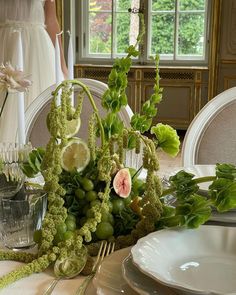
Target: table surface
{"x":36,"y":284}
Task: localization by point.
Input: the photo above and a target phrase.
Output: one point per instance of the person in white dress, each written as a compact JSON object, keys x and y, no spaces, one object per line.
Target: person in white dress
{"x":36,"y":19}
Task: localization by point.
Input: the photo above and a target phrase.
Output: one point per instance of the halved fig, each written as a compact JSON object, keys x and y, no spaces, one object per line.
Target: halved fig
{"x":122,"y":183}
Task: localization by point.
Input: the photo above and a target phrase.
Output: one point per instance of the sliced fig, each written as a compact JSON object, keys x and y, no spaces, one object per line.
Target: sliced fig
{"x":122,"y":183}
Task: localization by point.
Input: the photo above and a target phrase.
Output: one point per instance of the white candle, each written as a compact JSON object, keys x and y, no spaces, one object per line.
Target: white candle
{"x":70,"y":60}
{"x":58,"y":70}
{"x":20,"y":95}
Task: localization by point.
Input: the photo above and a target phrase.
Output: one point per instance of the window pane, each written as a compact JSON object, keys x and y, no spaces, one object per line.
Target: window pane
{"x":192,"y":5}
{"x":97,"y":5}
{"x":162,"y":33}
{"x":163,"y":5}
{"x":127,"y":31}
{"x":123,"y":25}
{"x":191,"y":34}
{"x":123,"y":5}
{"x":100,"y":32}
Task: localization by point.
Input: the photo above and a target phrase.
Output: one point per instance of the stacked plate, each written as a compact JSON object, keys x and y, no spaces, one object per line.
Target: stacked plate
{"x":173,"y":261}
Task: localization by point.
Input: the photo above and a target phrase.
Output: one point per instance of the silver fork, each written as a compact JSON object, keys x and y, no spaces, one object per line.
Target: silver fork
{"x":105,"y":250}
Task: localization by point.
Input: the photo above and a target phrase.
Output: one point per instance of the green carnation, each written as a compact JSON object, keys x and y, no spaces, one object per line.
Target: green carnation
{"x":167,"y":137}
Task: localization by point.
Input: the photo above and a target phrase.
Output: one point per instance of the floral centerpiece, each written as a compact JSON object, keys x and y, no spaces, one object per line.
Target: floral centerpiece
{"x":92,"y":196}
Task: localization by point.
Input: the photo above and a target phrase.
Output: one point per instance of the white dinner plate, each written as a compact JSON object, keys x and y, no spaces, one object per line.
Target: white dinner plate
{"x":141,"y":283}
{"x":191,"y":261}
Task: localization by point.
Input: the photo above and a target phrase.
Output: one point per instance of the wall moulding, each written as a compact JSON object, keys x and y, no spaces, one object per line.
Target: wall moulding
{"x":231,"y":27}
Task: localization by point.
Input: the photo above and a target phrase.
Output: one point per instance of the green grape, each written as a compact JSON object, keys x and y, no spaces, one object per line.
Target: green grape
{"x":71,"y":217}
{"x":127,"y":201}
{"x":85,"y":209}
{"x":61,"y":228}
{"x":104,"y":230}
{"x":70,"y":224}
{"x":58,"y":238}
{"x":132,"y":171}
{"x":95,"y":203}
{"x":107,"y":217}
{"x":37,"y":236}
{"x":89,"y":213}
{"x":80,"y":194}
{"x":118,"y":206}
{"x":91,"y":196}
{"x":67,"y":235}
{"x":87,"y":184}
{"x":138,"y":187}
{"x":110,"y":205}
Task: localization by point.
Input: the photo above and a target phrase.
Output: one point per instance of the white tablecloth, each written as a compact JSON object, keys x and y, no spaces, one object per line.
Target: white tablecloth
{"x":36,"y":284}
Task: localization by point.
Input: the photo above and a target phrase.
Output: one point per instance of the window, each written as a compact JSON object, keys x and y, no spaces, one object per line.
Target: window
{"x":176,"y":29}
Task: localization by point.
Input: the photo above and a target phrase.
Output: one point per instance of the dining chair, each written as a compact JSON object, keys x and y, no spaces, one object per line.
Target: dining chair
{"x":36,"y":114}
{"x":211,"y":136}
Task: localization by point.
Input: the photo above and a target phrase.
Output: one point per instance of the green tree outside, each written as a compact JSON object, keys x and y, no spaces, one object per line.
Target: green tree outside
{"x":190,"y":23}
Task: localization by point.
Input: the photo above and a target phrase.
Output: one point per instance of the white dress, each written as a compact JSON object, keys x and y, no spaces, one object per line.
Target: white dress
{"x":38,"y":55}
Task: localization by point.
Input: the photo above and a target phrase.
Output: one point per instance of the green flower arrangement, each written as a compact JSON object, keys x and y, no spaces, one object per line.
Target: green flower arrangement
{"x":89,"y":204}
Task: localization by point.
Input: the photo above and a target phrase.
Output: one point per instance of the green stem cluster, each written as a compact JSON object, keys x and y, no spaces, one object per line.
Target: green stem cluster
{"x":86,"y":90}
{"x":198,"y":180}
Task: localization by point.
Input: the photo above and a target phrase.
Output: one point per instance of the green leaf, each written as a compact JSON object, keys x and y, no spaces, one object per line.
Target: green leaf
{"x":112,"y":125}
{"x":156,"y":98}
{"x":123,"y":99}
{"x":197,"y":210}
{"x":226,"y":171}
{"x":141,"y":123}
{"x":168,"y":211}
{"x":167,"y":138}
{"x":172,"y":221}
{"x":183,"y":184}
{"x":224,"y":196}
{"x":27,"y":170}
{"x":131,"y":141}
{"x":132,"y":51}
{"x":112,"y":78}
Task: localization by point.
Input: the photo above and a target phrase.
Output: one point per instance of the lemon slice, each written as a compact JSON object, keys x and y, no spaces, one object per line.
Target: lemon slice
{"x":72,"y":127}
{"x":75,"y":155}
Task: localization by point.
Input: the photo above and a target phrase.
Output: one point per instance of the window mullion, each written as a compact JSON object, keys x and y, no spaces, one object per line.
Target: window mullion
{"x":113,"y":30}
{"x":86,"y":29}
{"x":176,"y":29}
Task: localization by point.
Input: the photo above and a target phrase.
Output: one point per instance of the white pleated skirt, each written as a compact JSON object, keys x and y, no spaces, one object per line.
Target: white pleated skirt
{"x":39,"y":64}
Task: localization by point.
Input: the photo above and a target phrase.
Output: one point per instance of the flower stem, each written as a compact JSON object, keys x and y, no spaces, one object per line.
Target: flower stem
{"x":4,"y":102}
{"x":196,"y":181}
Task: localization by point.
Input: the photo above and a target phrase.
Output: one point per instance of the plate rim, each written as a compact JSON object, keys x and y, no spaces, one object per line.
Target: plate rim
{"x":129,"y":281}
{"x":177,"y":286}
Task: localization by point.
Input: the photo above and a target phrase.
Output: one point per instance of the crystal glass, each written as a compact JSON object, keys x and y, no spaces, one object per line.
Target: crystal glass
{"x":20,"y":217}
{"x":12,"y":155}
